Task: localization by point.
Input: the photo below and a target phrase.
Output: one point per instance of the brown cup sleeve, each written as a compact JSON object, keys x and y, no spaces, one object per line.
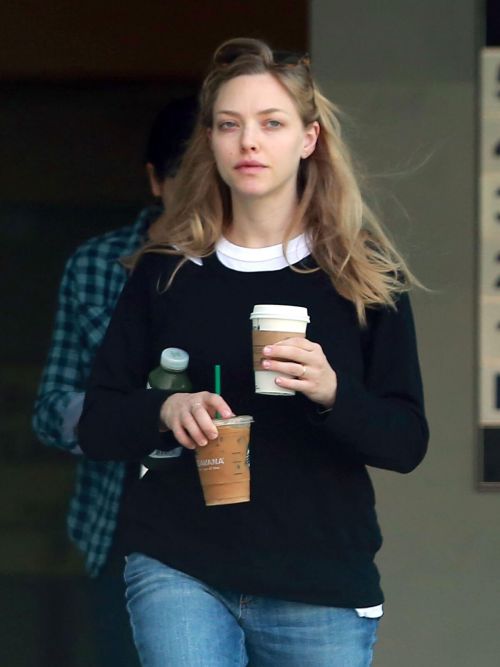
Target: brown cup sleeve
{"x":262,"y":338}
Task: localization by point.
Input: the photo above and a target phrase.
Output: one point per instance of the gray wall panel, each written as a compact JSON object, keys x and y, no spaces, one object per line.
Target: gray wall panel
{"x":412,"y":105}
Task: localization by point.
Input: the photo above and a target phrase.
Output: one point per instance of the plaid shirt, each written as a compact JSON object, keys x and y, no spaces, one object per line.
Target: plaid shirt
{"x":91,"y":284}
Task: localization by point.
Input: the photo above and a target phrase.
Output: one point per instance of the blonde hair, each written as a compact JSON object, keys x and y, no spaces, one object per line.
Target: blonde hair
{"x":347,"y":241}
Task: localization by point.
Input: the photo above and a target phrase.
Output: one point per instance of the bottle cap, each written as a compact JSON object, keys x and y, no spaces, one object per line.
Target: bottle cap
{"x":174,"y":359}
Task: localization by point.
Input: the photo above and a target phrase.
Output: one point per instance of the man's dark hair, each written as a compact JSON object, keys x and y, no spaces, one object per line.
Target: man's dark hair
{"x":169,"y":134}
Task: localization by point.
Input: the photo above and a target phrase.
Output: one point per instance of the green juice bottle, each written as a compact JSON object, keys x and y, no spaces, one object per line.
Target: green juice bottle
{"x":171,"y":375}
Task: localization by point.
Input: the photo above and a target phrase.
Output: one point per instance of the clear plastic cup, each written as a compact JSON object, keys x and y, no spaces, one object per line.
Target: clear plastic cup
{"x":223,"y":464}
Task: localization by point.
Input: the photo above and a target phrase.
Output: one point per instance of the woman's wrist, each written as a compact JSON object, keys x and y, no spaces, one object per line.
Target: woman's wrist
{"x":327,"y":403}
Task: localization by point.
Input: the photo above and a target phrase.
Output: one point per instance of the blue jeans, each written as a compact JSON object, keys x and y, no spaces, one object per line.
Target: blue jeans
{"x":178,"y":621}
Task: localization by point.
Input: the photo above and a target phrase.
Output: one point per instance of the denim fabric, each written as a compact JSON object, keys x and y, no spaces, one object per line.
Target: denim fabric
{"x":178,"y":621}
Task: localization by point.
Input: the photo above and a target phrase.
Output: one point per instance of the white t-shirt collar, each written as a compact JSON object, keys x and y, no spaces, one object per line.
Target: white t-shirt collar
{"x":270,"y":258}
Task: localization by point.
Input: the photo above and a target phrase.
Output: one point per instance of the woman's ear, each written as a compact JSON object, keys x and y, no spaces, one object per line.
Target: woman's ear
{"x":311,"y":134}
{"x":154,"y":182}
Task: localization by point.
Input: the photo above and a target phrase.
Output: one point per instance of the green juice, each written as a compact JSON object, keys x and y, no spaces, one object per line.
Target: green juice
{"x":170,"y":375}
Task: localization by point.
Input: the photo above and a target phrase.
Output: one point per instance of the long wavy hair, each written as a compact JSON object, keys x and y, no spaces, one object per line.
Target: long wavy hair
{"x":347,"y":241}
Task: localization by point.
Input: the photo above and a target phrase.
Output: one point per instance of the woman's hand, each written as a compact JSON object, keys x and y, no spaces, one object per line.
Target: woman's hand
{"x":306,"y":363}
{"x":189,"y":417}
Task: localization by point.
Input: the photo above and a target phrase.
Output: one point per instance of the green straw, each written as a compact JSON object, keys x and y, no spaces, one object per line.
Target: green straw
{"x":217,"y":385}
{"x":217,"y":379}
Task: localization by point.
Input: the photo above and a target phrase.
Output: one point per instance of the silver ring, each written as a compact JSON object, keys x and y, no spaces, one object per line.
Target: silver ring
{"x":304,"y":369}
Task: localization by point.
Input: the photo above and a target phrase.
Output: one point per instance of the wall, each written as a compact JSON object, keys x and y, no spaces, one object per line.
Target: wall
{"x":406,"y":75}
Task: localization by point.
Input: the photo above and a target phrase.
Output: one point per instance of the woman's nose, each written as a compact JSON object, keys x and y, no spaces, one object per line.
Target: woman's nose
{"x":249,"y":139}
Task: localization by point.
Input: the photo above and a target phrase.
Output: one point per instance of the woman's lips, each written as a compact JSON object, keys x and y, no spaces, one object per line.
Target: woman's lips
{"x":250,"y":167}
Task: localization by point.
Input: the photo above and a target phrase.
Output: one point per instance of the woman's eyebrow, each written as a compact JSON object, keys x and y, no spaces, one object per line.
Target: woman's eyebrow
{"x":229,"y":112}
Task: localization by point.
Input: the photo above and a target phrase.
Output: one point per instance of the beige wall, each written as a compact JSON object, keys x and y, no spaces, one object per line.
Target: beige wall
{"x":405,"y":72}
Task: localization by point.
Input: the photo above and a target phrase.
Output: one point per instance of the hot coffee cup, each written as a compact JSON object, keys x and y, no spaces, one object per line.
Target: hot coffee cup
{"x":270,"y":324}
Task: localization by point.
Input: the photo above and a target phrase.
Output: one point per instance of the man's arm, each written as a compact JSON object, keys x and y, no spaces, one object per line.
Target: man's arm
{"x":61,"y":394}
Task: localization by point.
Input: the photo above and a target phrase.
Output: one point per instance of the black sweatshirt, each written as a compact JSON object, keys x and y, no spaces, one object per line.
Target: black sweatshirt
{"x":310,"y":532}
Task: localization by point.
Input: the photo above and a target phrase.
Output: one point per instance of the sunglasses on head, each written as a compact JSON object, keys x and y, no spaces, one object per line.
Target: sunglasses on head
{"x":291,"y":58}
{"x":230,"y":53}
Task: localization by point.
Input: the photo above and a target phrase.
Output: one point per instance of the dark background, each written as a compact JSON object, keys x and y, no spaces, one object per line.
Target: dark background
{"x":493,"y":23}
{"x":79,"y":86}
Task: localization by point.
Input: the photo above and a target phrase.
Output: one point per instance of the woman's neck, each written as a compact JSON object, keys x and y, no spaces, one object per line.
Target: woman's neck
{"x":156,"y":231}
{"x":259,"y":223}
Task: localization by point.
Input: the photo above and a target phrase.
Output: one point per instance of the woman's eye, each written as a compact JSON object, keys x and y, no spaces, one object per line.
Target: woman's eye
{"x":272,"y":123}
{"x":227,"y":125}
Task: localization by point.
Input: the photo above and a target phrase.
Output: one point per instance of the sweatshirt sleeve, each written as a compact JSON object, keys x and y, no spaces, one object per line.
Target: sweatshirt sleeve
{"x":381,"y":421}
{"x":120,"y":419}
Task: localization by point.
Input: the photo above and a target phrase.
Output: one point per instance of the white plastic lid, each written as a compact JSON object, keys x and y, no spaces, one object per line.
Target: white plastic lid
{"x":278,"y":312}
{"x":174,"y":359}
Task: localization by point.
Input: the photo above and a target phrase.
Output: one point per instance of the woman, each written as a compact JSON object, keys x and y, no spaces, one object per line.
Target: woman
{"x":266,"y":210}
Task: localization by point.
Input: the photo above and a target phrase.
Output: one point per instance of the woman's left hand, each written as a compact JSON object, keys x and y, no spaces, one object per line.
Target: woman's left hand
{"x":306,"y":363}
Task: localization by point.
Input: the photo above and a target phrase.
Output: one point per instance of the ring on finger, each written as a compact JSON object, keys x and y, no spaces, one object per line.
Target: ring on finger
{"x":195,"y":406}
{"x":302,"y":374}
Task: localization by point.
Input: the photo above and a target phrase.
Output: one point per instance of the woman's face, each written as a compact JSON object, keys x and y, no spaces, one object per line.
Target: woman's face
{"x":258,"y":137}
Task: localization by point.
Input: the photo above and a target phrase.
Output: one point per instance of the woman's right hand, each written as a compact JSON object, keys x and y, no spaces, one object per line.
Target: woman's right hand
{"x":189,"y":417}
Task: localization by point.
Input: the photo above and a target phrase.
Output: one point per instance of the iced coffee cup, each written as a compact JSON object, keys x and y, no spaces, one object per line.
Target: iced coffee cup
{"x":223,"y":464}
{"x":270,"y":324}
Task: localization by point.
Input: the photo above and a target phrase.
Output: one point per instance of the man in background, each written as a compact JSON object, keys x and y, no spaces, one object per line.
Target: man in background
{"x":91,"y":284}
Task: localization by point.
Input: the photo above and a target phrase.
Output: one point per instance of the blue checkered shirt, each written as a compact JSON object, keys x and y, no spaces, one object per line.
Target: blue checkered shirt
{"x":91,"y":284}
